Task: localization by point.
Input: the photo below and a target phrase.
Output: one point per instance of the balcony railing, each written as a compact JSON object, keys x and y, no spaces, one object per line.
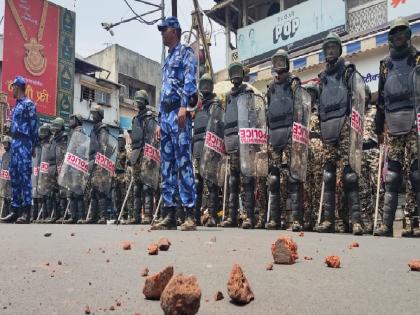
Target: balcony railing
{"x":367,"y":16}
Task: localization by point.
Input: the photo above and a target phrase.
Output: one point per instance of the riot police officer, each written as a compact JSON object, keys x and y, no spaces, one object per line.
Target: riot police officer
{"x":396,"y":108}
{"x":5,"y":187}
{"x":334,"y":113}
{"x":247,"y":183}
{"x":203,"y":116}
{"x":280,"y":100}
{"x":59,"y":143}
{"x":140,"y":132}
{"x":120,"y":180}
{"x":75,"y":199}
{"x":101,"y":182}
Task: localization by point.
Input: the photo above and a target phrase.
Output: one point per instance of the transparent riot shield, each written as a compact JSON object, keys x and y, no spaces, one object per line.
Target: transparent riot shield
{"x":416,"y":95}
{"x":35,"y":172}
{"x":47,"y":170}
{"x":213,"y":156}
{"x":5,"y":187}
{"x":252,"y":135}
{"x":357,"y":105}
{"x":104,"y":167}
{"x":300,"y":134}
{"x":74,"y":172}
{"x":150,"y":159}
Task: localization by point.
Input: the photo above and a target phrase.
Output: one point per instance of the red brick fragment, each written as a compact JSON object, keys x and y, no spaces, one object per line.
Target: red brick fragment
{"x":87,"y":309}
{"x":269,"y":266}
{"x":145,"y":272}
{"x":155,"y":284}
{"x":307,"y":258}
{"x":238,"y":286}
{"x":153,"y":249}
{"x":284,"y":251}
{"x":414,"y":264}
{"x":164,"y":244}
{"x":218,"y":296}
{"x":333,"y":261}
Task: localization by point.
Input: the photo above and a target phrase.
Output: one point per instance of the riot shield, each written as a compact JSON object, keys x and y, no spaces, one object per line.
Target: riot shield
{"x":47,"y":170}
{"x":213,"y":156}
{"x":74,"y":172}
{"x":150,"y":159}
{"x":252,"y":134}
{"x":35,"y":172}
{"x":416,"y":95}
{"x":5,"y":186}
{"x":357,"y":105}
{"x":300,"y":134}
{"x":105,"y":166}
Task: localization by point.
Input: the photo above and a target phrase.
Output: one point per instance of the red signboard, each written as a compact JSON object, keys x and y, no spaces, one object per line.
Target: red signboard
{"x":104,"y":162}
{"x":31,"y":33}
{"x":76,"y":162}
{"x":300,"y":133}
{"x":356,"y":121}
{"x":252,"y":136}
{"x":215,"y":143}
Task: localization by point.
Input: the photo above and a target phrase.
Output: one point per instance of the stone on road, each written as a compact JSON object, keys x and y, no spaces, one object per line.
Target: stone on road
{"x":373,"y":279}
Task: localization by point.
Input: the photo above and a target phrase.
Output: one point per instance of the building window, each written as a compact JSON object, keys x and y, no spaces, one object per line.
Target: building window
{"x":102,"y":98}
{"x":87,"y":93}
{"x":131,"y":92}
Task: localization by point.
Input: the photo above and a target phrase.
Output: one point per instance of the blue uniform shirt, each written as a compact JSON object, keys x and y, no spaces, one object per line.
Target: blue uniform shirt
{"x":25,"y":121}
{"x":179,"y":76}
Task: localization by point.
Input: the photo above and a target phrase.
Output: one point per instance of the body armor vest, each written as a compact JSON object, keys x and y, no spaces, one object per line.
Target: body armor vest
{"x":121,"y":161}
{"x":137,"y":133}
{"x":200,"y":126}
{"x":399,"y":106}
{"x":333,"y":106}
{"x":95,"y":145}
{"x":280,"y":114}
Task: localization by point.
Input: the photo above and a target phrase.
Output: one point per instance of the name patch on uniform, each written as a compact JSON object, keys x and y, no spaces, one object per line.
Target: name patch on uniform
{"x":4,"y":174}
{"x":252,"y":136}
{"x":300,"y":133}
{"x":76,"y":162}
{"x":215,"y":143}
{"x":44,"y":166}
{"x":151,"y":153}
{"x":104,"y":162}
{"x":356,"y":121}
{"x":36,"y":171}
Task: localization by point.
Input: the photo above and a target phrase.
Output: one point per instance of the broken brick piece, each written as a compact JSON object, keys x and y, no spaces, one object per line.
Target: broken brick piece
{"x":87,"y":309}
{"x":301,"y":234}
{"x":269,"y":266}
{"x":414,"y":265}
{"x":126,"y":245}
{"x":284,"y":251}
{"x":307,"y":258}
{"x":333,"y":261}
{"x":238,"y":286}
{"x":164,"y":244}
{"x":182,"y":295}
{"x":145,"y":272}
{"x":354,"y":244}
{"x":155,"y":284}
{"x":153,"y":249}
{"x":218,"y":296}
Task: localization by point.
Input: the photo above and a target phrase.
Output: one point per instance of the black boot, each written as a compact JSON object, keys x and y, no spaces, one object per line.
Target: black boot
{"x":330,"y":175}
{"x":199,"y":185}
{"x":249,"y":203}
{"x":34,"y":210}
{"x":103,"y":207}
{"x":296,"y":204}
{"x":169,"y":222}
{"x":232,"y":219}
{"x":26,"y":215}
{"x":12,"y":216}
{"x":213,"y":205}
{"x":274,"y":199}
{"x":189,"y":223}
{"x":94,"y":211}
{"x":351,"y":188}
{"x":148,"y":205}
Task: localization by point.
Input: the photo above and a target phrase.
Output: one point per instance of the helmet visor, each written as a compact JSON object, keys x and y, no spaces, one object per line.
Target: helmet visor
{"x":279,"y":62}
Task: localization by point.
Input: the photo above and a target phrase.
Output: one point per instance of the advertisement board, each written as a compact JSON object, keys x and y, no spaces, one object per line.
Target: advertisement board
{"x":403,"y":8}
{"x":34,"y":47}
{"x":292,"y":28}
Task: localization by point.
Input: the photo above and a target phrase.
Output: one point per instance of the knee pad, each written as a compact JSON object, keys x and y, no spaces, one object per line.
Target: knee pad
{"x":415,"y":180}
{"x":350,"y":181}
{"x":330,"y":166}
{"x":393,"y":178}
{"x":198,"y":183}
{"x":248,"y":180}
{"x":329,"y":180}
{"x":274,"y":180}
{"x":137,"y":190}
{"x":293,"y":185}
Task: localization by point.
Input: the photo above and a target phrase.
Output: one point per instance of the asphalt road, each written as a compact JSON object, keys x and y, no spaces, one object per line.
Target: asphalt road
{"x":374,"y":278}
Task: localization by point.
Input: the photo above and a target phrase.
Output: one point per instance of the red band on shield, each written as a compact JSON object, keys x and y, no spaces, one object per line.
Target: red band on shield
{"x":252,"y":136}
{"x":36,"y":171}
{"x":151,"y":153}
{"x":104,"y":162}
{"x":214,"y":142}
{"x":44,"y":166}
{"x":418,"y":124}
{"x":4,"y":174}
{"x":356,"y":121}
{"x":76,"y":162}
{"x":300,"y":133}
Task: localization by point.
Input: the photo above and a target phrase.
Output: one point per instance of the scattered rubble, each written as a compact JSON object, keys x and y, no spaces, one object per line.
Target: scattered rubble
{"x":155,"y":284}
{"x":218,"y":296}
{"x":238,"y":286}
{"x":126,"y":245}
{"x":284,"y":251}
{"x":182,"y":295}
{"x":164,"y":244}
{"x":145,"y":272}
{"x":333,"y":261}
{"x":47,"y":234}
{"x":414,"y":265}
{"x":87,"y":309}
{"x":269,"y":266}
{"x":307,"y":258}
{"x":153,"y":249}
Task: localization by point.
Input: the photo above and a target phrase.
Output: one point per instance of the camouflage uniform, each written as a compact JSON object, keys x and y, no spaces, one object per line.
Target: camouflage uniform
{"x":314,"y":174}
{"x":368,"y":180}
{"x":120,"y":180}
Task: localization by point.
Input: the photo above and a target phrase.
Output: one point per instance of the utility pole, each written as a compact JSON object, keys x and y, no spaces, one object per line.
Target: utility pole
{"x":174,"y":8}
{"x":162,"y":5}
{"x":201,"y":34}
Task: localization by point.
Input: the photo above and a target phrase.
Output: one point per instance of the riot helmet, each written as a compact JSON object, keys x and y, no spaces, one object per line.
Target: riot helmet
{"x":236,"y":73}
{"x":142,"y":99}
{"x":399,"y":33}
{"x":280,"y":61}
{"x":332,"y":47}
{"x":57,"y":125}
{"x":75,"y":120}
{"x":121,"y":142}
{"x":97,"y":113}
{"x":205,"y":84}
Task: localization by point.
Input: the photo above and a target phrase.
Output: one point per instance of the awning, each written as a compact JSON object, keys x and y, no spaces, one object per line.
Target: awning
{"x":217,"y":13}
